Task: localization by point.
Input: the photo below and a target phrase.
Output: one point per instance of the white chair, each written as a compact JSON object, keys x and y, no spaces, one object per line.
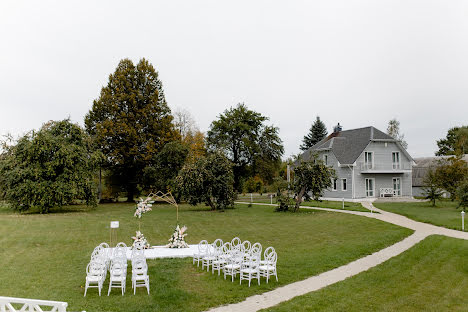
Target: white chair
{"x":121,"y":245}
{"x":138,"y":253}
{"x":256,"y":249}
{"x":269,"y":269}
{"x":118,"y":276}
{"x":140,"y":276}
{"x":250,"y":270}
{"x":202,"y":251}
{"x":265,"y":255}
{"x":94,"y":276}
{"x":246,"y":246}
{"x":222,"y":254}
{"x":209,"y":258}
{"x":232,"y":267}
{"x":236,"y":242}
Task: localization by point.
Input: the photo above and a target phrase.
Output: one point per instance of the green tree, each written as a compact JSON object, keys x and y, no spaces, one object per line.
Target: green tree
{"x":393,"y":130}
{"x":462,"y":194}
{"x":455,"y":143}
{"x":431,"y":189}
{"x":246,"y":140}
{"x":317,"y":132}
{"x":313,"y":177}
{"x":208,"y":180}
{"x":450,"y":172}
{"x":160,"y":176}
{"x":49,"y":168}
{"x":130,"y":122}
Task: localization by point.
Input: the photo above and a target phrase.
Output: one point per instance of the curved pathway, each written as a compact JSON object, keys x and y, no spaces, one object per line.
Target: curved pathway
{"x":287,"y":292}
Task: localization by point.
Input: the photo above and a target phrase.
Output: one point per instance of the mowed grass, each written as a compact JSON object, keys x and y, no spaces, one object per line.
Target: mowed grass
{"x":431,"y":276}
{"x":265,"y":198}
{"x":445,"y":213}
{"x":45,"y":256}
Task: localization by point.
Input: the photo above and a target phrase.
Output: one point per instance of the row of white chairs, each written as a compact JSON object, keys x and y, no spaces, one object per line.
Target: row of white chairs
{"x":237,"y":257}
{"x":114,"y":260}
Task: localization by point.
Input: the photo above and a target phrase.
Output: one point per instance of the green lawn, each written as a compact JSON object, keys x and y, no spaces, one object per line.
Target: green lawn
{"x":45,"y":256}
{"x":431,"y":276}
{"x":257,"y":198}
{"x":445,"y":213}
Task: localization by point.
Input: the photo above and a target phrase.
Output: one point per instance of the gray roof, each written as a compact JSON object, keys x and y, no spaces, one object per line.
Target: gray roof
{"x":349,"y":144}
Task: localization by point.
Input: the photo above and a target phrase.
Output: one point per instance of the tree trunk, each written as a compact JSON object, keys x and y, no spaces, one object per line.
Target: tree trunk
{"x":299,"y":199}
{"x":130,"y":193}
{"x":211,"y":204}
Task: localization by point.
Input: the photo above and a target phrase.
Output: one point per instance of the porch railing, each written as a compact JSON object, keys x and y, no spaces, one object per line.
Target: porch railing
{"x":9,"y":304}
{"x":384,"y":166}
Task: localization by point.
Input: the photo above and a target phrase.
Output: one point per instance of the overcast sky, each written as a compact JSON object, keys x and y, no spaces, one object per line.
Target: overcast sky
{"x":359,"y":63}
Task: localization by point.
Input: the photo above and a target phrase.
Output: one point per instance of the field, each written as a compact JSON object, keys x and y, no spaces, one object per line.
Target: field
{"x":45,"y":256}
{"x":445,"y":213}
{"x":431,"y":276}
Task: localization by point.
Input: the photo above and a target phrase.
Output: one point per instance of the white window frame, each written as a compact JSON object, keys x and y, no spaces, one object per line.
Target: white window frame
{"x":334,"y":185}
{"x":366,"y":158}
{"x":394,"y":164}
{"x":373,"y":187}
{"x":400,"y":184}
{"x":344,"y":182}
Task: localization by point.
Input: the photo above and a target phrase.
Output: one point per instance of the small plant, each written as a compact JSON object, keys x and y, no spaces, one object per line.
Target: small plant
{"x":285,"y":203}
{"x":431,"y":190}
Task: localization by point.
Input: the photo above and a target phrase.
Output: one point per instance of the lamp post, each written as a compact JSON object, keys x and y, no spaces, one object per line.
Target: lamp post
{"x":463,"y":220}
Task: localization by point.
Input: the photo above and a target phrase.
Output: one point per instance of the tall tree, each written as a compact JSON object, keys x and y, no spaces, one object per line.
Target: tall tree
{"x":393,"y":130}
{"x":49,"y":168}
{"x":131,"y":122}
{"x":245,"y":138}
{"x":455,"y":143}
{"x":209,"y":180}
{"x":317,"y":132}
{"x":313,"y":177}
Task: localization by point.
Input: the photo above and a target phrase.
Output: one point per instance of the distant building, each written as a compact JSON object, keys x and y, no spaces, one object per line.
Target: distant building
{"x":420,"y":169}
{"x":368,"y":163}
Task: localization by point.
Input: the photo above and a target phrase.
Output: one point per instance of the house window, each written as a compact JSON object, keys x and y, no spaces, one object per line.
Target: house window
{"x":396,"y":186}
{"x":344,"y":185}
{"x":335,"y":184}
{"x":396,"y":160}
{"x":325,"y":159}
{"x":370,"y":185}
{"x":369,"y":160}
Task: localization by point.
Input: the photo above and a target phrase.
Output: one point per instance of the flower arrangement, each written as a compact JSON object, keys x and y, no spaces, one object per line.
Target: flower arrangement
{"x":144,"y":205}
{"x":140,"y":238}
{"x":177,"y":239}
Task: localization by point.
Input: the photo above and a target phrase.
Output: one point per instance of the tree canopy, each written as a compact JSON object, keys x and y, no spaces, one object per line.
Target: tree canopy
{"x":242,"y":135}
{"x":393,"y":130}
{"x":455,"y":143}
{"x":208,"y":180}
{"x":313,"y":177}
{"x":317,"y":132}
{"x":161,"y":174}
{"x":130,"y":122}
{"x":49,"y":168}
{"x":450,"y":172}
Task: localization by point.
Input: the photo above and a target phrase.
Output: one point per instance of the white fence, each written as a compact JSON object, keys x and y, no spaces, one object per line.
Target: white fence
{"x":9,"y":304}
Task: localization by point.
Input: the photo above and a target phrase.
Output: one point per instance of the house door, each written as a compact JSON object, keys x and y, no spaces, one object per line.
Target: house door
{"x":370,"y":188}
{"x":396,"y":186}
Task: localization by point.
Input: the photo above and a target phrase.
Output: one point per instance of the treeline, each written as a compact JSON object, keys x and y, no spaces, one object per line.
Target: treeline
{"x":132,"y":143}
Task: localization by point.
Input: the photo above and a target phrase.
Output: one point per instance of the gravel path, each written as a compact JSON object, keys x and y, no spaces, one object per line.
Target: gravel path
{"x":284,"y":293}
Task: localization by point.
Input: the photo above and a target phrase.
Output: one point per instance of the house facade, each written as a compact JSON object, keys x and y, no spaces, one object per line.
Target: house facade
{"x":368,"y":164}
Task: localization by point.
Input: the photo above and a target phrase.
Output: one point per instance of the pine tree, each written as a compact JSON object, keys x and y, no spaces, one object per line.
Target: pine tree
{"x":317,"y":132}
{"x":393,"y":130}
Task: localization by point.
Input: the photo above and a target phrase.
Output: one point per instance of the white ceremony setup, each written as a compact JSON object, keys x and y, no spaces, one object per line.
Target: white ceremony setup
{"x":229,"y":258}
